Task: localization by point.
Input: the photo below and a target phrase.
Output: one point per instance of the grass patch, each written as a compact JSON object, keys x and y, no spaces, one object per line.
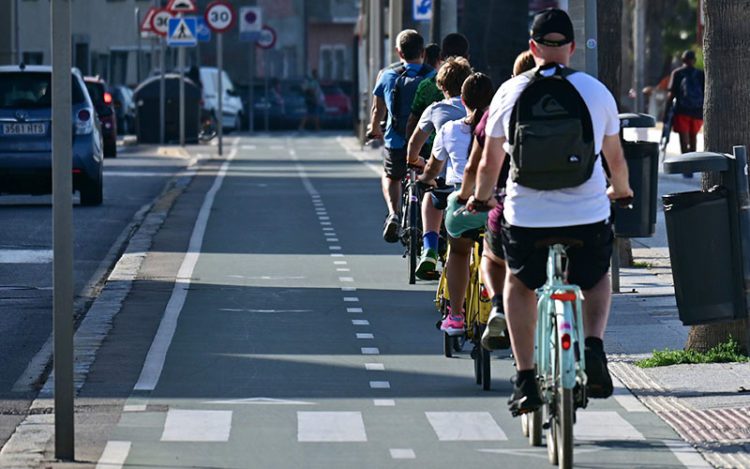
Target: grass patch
{"x":642,"y":265}
{"x":727,"y":352}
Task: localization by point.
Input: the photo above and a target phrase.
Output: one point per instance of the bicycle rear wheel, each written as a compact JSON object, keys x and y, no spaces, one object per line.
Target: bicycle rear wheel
{"x":486,"y":369}
{"x":564,"y":433}
{"x":414,"y":241}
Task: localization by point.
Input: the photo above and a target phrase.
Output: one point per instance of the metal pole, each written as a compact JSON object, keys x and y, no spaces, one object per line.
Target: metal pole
{"x":181,"y":65}
{"x":376,"y":39}
{"x":592,"y":59}
{"x":162,"y":92}
{"x":139,"y":52}
{"x":251,"y":91}
{"x":62,"y":227}
{"x":17,"y":32}
{"x":395,"y":23}
{"x":265,"y":76}
{"x":435,"y":23}
{"x":639,"y":48}
{"x":220,"y":79}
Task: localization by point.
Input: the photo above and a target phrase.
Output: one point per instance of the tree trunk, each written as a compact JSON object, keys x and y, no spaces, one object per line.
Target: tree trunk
{"x":727,"y":118}
{"x":609,"y":29}
{"x":474,"y":24}
{"x":507,"y":36}
{"x":656,"y":65}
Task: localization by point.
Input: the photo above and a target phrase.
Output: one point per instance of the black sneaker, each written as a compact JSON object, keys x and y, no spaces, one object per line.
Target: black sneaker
{"x":390,"y":228}
{"x":525,"y":397}
{"x":599,"y":384}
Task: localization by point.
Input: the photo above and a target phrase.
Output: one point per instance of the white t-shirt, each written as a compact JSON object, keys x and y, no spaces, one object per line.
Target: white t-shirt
{"x":452,"y":143}
{"x":581,"y":205}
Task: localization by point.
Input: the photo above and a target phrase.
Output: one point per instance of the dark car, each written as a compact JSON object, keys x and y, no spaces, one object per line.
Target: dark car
{"x":105,"y":111}
{"x":26,"y":134}
{"x":337,"y":111}
{"x":122,"y":99}
{"x":284,"y":103}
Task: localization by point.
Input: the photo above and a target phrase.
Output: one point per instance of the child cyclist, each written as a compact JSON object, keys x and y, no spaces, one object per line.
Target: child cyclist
{"x":452,"y":146}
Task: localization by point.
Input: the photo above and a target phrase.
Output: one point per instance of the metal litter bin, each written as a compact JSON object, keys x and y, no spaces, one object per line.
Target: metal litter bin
{"x":146,"y":98}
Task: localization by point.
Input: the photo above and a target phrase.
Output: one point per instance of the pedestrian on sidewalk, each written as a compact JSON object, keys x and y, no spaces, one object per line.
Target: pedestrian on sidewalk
{"x":686,"y":88}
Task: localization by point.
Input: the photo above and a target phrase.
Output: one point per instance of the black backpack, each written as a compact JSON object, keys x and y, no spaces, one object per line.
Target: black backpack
{"x":551,"y":133}
{"x":691,"y":90}
{"x":404,"y":91}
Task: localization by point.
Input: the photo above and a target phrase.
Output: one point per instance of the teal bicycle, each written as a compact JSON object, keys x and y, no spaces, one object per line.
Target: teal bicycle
{"x":559,"y":356}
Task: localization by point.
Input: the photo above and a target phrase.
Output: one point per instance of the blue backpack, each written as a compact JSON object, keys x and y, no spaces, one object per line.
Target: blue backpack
{"x":691,"y":91}
{"x":403,"y":94}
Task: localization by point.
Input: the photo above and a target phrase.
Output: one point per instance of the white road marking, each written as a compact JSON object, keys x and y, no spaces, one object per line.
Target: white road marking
{"x":383,"y":402}
{"x":197,"y":425}
{"x":380,"y":385}
{"x":261,"y":401}
{"x":134,"y":408}
{"x":266,"y":311}
{"x":332,"y":240}
{"x":604,"y":426}
{"x":25,"y":256}
{"x":370,"y":351}
{"x":325,"y":223}
{"x":686,"y":454}
{"x":626,"y":399}
{"x":354,"y":310}
{"x":374,"y":367}
{"x":136,"y":174}
{"x":365,"y":336}
{"x":324,"y":217}
{"x":269,"y":277}
{"x":114,"y":455}
{"x":248,"y":147}
{"x":334,"y":248}
{"x":360,"y":322}
{"x":343,"y":269}
{"x":402,"y":453}
{"x":346,"y":279}
{"x":351,"y":299}
{"x":533,"y":452}
{"x":339,"y":262}
{"x":338,"y":254}
{"x":327,"y":229}
{"x":330,"y":427}
{"x":276,"y":147}
{"x":154,"y":362}
{"x":465,"y":426}
{"x":348,"y":289}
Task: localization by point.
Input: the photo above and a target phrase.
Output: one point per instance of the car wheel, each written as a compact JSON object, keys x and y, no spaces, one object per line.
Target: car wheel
{"x":110,"y":150}
{"x":92,"y":193}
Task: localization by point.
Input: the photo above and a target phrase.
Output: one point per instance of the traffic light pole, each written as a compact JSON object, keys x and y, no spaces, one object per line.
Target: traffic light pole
{"x":62,"y":228}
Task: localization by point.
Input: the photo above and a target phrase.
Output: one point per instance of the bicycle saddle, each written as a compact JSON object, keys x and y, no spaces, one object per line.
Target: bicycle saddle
{"x":567,"y":242}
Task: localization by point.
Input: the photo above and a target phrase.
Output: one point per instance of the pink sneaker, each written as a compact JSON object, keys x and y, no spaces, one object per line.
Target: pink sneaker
{"x":453,"y":324}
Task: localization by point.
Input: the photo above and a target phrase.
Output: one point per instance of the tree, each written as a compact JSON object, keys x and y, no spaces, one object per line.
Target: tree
{"x":727,"y":118}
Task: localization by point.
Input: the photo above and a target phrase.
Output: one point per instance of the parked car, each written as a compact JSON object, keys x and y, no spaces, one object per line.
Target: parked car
{"x":232,"y":107}
{"x":337,"y":110}
{"x":26,"y":134}
{"x":285,"y":104}
{"x":105,"y":112}
{"x":122,"y":99}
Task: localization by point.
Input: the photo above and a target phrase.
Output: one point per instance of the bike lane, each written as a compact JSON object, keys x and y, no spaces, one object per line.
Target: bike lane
{"x":298,"y":343}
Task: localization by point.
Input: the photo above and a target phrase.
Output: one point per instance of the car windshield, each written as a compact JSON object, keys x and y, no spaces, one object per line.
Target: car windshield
{"x":30,"y":90}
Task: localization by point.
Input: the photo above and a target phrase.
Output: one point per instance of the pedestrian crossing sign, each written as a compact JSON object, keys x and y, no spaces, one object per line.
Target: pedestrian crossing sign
{"x":182,"y":32}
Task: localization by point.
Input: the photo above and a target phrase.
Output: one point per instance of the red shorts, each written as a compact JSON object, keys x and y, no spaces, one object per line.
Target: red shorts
{"x":686,"y":124}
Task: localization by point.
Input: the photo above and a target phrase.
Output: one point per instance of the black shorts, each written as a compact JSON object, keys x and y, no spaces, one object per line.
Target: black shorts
{"x":394,"y":163}
{"x":587,"y":265}
{"x":495,"y":241}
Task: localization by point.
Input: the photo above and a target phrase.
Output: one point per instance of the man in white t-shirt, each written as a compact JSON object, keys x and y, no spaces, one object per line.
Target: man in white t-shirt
{"x":581,"y":212}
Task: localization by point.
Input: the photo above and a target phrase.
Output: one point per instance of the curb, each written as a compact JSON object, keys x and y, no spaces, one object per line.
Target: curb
{"x":721,"y":436}
{"x":27,"y":445}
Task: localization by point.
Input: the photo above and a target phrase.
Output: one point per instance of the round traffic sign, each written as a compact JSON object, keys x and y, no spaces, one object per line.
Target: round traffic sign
{"x":220,"y":16}
{"x":160,"y":22}
{"x":267,"y":38}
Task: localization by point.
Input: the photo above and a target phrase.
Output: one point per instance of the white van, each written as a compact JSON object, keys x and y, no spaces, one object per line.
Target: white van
{"x":232,"y":104}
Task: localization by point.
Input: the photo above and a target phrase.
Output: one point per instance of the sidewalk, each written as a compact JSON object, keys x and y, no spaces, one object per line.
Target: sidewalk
{"x":705,"y":404}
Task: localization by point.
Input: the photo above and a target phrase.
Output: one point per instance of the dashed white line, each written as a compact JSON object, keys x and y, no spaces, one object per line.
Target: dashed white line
{"x":197,"y":425}
{"x":327,"y":229}
{"x":383,"y":402}
{"x":332,"y":240}
{"x":134,"y":408}
{"x":380,"y":385}
{"x":402,"y":453}
{"x":348,"y":289}
{"x":374,"y":367}
{"x":354,"y":310}
{"x":334,"y":248}
{"x":370,"y":351}
{"x":365,"y":336}
{"x":342,"y":269}
{"x":337,"y":254}
{"x":351,"y":299}
{"x":25,"y":256}
{"x":325,"y":223}
{"x":360,"y":322}
{"x":346,"y":279}
{"x":339,"y":262}
{"x":114,"y":455}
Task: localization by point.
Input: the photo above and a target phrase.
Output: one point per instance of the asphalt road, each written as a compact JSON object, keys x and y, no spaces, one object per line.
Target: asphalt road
{"x":131,"y":181}
{"x":292,"y":339}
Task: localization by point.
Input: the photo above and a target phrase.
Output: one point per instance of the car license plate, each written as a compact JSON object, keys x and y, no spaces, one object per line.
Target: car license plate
{"x":24,"y":128}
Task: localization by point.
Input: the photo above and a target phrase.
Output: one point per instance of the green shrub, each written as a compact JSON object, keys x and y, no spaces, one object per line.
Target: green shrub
{"x":726,"y":352}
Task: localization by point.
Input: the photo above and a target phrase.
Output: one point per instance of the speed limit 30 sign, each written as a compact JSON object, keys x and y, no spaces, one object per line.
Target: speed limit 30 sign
{"x":160,"y":22}
{"x":220,"y":16}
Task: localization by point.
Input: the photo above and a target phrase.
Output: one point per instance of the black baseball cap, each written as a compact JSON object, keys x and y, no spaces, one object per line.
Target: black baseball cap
{"x":552,"y":20}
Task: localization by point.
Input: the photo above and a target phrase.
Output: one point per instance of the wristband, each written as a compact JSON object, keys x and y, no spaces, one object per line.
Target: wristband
{"x":461,"y":200}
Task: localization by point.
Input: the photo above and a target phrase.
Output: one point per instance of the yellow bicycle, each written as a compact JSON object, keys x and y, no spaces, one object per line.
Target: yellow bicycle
{"x":477,"y":310}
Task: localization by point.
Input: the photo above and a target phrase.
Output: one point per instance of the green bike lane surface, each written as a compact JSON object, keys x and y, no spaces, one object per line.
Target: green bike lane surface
{"x":300,"y":344}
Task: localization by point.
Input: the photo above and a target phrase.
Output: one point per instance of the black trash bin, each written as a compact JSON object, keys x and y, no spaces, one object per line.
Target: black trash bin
{"x":705,"y":278}
{"x":643,"y":166}
{"x":146,"y":98}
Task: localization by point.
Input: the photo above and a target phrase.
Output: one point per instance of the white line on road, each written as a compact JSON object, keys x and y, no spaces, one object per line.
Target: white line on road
{"x":330,"y":427}
{"x":365,"y":336}
{"x":334,"y":248}
{"x":325,"y":223}
{"x":338,"y":254}
{"x":154,"y":363}
{"x":604,"y":426}
{"x":348,"y":289}
{"x":25,"y":256}
{"x":374,"y":367}
{"x":249,"y":147}
{"x":134,"y":408}
{"x":197,"y":425}
{"x":339,"y":262}
{"x":261,"y":401}
{"x":383,"y":402}
{"x":465,"y":426}
{"x":686,"y":454}
{"x":626,"y":399}
{"x":380,"y":385}
{"x":343,"y":269}
{"x":327,"y":229}
{"x":402,"y":453}
{"x":354,"y":310}
{"x":360,"y":322}
{"x":332,"y":240}
{"x":114,"y":455}
{"x":370,"y":351}
{"x":351,"y":299}
{"x":346,"y":279}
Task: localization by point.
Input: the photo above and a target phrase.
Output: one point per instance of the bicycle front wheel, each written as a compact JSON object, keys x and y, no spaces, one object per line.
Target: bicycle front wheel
{"x":412,"y":234}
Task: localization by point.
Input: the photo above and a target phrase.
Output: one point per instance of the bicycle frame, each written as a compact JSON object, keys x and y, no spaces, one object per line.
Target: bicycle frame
{"x":559,"y":324}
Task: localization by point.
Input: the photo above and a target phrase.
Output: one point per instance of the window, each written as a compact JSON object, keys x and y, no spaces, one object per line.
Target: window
{"x":333,"y":63}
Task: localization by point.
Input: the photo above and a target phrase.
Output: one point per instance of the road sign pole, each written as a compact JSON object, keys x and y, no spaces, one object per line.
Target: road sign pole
{"x":220,"y":79}
{"x":265,"y":81}
{"x":62,"y":227}
{"x":592,"y":48}
{"x":162,"y":92}
{"x":181,"y":65}
{"x":251,"y":103}
{"x":139,"y":52}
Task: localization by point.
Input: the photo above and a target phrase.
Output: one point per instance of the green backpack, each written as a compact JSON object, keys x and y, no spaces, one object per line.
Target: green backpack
{"x":551,"y":133}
